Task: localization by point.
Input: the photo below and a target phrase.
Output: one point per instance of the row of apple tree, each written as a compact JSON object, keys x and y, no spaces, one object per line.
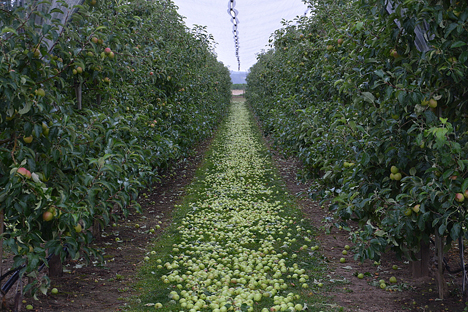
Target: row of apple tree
{"x":91,"y":111}
{"x":372,"y":96}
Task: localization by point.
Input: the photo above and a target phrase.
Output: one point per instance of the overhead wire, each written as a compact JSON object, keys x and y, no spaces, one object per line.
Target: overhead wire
{"x":233,"y":13}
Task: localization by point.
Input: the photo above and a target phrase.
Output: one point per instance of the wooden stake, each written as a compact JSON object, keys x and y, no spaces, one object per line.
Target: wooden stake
{"x":2,"y":217}
{"x":441,"y":284}
{"x":78,"y":95}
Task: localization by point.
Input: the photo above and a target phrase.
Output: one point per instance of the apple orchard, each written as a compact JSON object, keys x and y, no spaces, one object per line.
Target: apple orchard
{"x":370,"y":95}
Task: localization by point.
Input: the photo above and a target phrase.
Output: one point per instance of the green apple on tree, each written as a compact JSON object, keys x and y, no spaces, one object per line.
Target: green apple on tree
{"x":40,"y":92}
{"x":28,"y":139}
{"x":78,"y":228}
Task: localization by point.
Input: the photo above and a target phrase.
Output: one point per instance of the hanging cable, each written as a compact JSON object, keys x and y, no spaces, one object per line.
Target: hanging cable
{"x":233,"y":13}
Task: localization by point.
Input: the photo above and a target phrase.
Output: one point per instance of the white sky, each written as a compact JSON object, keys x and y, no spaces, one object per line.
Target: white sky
{"x":258,"y":19}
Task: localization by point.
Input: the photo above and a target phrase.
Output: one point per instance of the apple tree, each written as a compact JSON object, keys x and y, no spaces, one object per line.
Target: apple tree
{"x":93,"y":109}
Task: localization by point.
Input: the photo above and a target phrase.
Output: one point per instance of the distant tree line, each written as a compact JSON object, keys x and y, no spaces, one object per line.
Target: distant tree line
{"x":238,"y":86}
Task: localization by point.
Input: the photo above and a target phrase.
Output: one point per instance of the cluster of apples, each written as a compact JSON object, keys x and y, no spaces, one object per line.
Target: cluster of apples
{"x":395,"y":173}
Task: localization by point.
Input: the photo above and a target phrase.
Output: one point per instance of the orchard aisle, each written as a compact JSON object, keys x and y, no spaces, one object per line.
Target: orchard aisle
{"x":239,"y":242}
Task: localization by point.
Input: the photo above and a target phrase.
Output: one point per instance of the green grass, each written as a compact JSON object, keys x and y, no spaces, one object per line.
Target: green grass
{"x":236,"y":219}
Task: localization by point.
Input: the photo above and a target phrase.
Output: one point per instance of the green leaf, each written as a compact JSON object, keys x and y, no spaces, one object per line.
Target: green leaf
{"x":26,"y":108}
{"x":46,"y":28}
{"x":9,"y":29}
{"x":458,"y":44}
{"x":365,"y":158}
{"x":449,"y":29}
{"x":455,"y":231}
{"x":464,"y":185}
{"x":463,"y":57}
{"x":380,"y":233}
{"x":56,"y":10}
{"x":368,"y":97}
{"x":447,"y":174}
{"x":442,"y":229}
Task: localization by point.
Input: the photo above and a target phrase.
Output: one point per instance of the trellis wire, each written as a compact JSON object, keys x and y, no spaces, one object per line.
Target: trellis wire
{"x":233,"y":13}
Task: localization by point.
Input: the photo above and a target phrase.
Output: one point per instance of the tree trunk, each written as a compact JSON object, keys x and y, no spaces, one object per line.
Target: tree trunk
{"x":55,"y":266}
{"x":420,"y":268}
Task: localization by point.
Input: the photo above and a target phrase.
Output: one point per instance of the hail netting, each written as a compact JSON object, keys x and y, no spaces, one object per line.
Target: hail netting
{"x":233,"y":13}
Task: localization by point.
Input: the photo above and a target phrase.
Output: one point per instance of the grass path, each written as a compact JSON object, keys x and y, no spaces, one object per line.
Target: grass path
{"x":238,"y":242}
